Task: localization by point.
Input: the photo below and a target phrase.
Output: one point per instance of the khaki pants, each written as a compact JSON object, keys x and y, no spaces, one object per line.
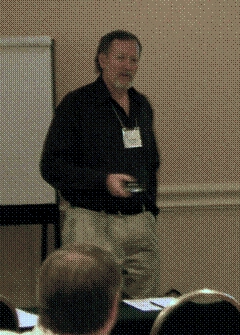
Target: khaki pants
{"x":131,"y":238}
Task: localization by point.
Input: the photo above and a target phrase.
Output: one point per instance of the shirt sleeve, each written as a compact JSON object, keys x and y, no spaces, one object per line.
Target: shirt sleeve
{"x":58,"y":162}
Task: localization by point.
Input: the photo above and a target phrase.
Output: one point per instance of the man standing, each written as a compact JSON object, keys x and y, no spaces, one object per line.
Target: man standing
{"x":101,"y":139}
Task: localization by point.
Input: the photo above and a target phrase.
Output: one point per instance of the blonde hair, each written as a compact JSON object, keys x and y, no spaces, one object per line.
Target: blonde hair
{"x":76,"y":290}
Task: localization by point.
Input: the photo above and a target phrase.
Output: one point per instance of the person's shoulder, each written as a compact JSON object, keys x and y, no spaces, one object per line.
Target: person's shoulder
{"x":86,"y":91}
{"x":142,"y":101}
{"x":138,"y":96}
{"x":77,"y":99}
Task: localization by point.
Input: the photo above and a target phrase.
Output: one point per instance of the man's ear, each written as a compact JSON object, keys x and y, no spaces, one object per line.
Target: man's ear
{"x":102,"y":58}
{"x":112,"y":319}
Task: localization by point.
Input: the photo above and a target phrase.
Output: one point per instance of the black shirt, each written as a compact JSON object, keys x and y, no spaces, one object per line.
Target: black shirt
{"x":84,"y":144}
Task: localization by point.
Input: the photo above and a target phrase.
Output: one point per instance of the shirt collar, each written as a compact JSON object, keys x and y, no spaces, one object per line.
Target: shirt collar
{"x":102,"y":94}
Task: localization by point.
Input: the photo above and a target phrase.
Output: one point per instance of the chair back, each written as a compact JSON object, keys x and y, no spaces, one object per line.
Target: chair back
{"x":200,"y":312}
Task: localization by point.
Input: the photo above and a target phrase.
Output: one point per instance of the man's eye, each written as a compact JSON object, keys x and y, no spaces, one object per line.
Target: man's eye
{"x":120,"y":57}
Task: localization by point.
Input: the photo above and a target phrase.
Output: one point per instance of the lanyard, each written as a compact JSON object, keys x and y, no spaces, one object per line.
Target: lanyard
{"x":131,"y":136}
{"x":120,"y":119}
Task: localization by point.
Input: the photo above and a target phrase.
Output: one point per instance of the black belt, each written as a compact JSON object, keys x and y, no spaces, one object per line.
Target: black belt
{"x":126,"y":211}
{"x":122,"y":211}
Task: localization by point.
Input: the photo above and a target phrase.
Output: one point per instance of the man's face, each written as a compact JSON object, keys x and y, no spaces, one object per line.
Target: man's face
{"x":120,"y":64}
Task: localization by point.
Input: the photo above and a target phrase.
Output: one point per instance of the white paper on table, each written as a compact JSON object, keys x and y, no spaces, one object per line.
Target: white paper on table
{"x":25,"y":319}
{"x":151,"y":304}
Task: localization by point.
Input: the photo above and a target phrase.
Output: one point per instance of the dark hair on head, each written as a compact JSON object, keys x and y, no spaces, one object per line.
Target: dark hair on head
{"x":106,"y":41}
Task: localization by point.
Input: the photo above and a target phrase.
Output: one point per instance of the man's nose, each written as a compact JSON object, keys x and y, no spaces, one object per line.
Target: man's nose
{"x":128,"y":64}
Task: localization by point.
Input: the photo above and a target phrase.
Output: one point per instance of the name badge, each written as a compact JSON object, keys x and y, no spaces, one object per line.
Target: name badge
{"x":131,"y":138}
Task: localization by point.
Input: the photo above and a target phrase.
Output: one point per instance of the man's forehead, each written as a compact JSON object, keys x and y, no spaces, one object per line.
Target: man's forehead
{"x":124,"y":45}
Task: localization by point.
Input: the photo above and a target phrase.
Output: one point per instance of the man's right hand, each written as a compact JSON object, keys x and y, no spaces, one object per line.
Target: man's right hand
{"x":116,"y":184}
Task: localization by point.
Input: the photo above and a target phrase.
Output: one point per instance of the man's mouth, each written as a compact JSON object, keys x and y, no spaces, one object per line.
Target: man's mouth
{"x":126,"y":75}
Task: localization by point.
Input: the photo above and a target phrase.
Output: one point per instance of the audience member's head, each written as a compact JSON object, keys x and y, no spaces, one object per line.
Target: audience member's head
{"x":78,"y":291}
{"x":8,"y":315}
{"x":200,"y":312}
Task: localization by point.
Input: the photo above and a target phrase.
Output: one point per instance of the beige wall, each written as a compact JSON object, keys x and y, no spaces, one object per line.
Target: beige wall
{"x":189,"y":72}
{"x":199,"y":237}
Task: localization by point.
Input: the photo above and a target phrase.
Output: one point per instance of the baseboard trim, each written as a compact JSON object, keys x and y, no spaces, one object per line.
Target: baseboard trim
{"x":198,"y":195}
